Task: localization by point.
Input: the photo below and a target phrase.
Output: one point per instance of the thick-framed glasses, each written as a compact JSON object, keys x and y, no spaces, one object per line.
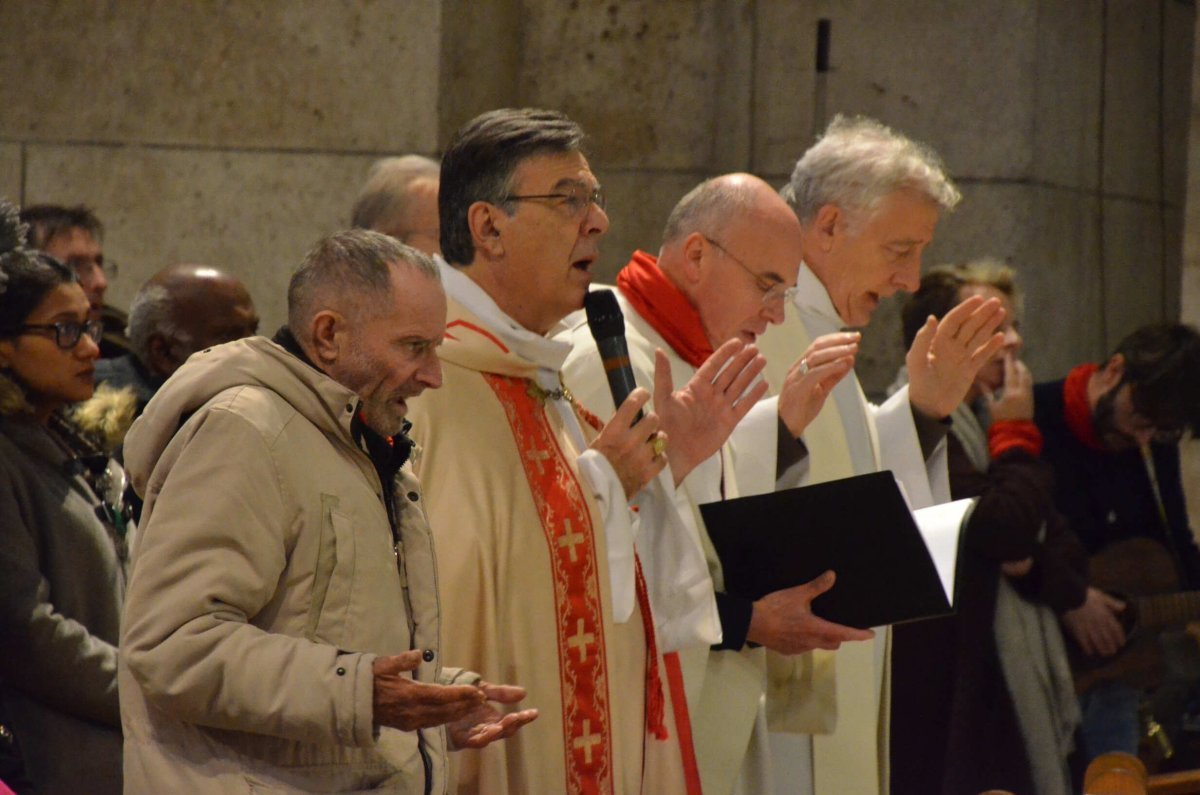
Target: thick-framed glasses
{"x":576,"y":200}
{"x":66,"y":333}
{"x":772,"y":291}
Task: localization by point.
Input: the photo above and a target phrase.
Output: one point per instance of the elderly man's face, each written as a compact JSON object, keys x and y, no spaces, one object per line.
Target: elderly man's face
{"x":550,"y":244}
{"x":870,"y":258}
{"x":391,"y":355}
{"x":76,"y":247}
{"x":745,"y":278}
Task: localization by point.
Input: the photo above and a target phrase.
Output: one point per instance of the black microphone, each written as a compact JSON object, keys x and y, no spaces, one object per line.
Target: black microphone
{"x":608,"y":328}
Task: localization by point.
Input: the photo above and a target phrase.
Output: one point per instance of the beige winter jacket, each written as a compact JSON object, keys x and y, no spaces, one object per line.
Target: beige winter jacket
{"x":264,"y":585}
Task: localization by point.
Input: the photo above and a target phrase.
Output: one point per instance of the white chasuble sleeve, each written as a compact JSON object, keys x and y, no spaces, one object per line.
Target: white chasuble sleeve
{"x":660,"y":532}
{"x":926,"y":481}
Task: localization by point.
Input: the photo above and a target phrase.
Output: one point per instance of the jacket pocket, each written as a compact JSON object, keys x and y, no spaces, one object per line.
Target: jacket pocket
{"x":333,"y":576}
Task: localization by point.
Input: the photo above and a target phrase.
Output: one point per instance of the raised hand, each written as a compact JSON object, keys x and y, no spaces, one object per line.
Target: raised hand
{"x":486,"y":724}
{"x":945,"y":356}
{"x":699,"y":417}
{"x":636,"y":453}
{"x":811,"y":378}
{"x":401,"y":703}
{"x":783,"y":621}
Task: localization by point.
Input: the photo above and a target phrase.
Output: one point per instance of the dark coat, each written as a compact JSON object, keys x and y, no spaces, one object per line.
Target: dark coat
{"x":62,"y":580}
{"x":1107,"y":496}
{"x":954,"y":727}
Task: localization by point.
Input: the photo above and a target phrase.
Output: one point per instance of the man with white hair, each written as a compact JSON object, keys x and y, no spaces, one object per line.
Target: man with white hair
{"x":178,"y":311}
{"x":399,"y":199}
{"x":868,"y":200}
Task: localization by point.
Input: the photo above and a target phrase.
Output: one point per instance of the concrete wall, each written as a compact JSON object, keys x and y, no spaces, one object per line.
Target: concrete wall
{"x":237,"y":133}
{"x":229,"y":133}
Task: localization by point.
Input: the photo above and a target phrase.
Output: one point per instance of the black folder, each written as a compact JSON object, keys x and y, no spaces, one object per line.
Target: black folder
{"x":860,"y":527}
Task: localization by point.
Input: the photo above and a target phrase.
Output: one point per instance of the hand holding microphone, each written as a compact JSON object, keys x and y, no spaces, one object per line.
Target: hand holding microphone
{"x":631,"y":440}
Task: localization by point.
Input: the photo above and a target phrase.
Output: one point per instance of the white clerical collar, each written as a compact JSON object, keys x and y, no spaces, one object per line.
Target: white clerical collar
{"x":813,"y":301}
{"x":542,"y":351}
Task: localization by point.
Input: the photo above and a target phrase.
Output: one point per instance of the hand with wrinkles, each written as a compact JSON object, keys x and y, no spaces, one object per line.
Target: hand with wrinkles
{"x":946,"y":355}
{"x":401,"y":703}
{"x":699,"y":417}
{"x":629,"y":448}
{"x":811,"y":378}
{"x":486,"y":724}
{"x":783,"y":621}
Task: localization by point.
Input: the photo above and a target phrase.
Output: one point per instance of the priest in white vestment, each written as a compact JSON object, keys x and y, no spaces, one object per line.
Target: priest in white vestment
{"x":868,"y":200}
{"x":728,"y":261}
{"x":545,"y":571}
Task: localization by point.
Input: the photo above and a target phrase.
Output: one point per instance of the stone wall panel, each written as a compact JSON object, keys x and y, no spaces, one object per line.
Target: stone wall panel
{"x":291,"y":74}
{"x":1134,"y":277}
{"x":656,"y":65}
{"x":915,"y":66}
{"x":10,"y":172}
{"x":1133,"y":134}
{"x":786,"y":85}
{"x":1066,"y":132}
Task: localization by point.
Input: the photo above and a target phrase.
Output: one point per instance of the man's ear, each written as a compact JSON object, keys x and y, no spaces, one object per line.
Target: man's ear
{"x":327,"y":335}
{"x":825,"y":225}
{"x":158,"y":355}
{"x":692,"y":249}
{"x":1112,"y":372}
{"x":6,"y":352}
{"x":486,"y":222}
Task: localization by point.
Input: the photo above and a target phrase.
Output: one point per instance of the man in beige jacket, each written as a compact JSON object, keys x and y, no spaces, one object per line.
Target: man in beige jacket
{"x":282,"y":628}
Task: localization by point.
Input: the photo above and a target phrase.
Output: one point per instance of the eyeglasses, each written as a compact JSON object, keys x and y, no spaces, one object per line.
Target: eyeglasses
{"x":772,"y":291}
{"x":66,"y":333}
{"x":576,"y":200}
{"x":83,"y":265}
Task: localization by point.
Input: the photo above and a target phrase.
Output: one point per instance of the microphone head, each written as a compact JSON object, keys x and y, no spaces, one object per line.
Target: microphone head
{"x":604,"y":315}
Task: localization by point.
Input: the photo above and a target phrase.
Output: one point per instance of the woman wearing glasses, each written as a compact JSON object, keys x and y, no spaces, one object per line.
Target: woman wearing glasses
{"x":62,"y":538}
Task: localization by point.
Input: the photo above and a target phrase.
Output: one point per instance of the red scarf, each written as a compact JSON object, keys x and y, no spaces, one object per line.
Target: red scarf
{"x":667,"y":310}
{"x":1076,"y":409}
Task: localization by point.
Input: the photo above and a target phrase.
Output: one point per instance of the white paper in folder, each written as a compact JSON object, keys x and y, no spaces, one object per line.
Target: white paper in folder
{"x":940,"y":526}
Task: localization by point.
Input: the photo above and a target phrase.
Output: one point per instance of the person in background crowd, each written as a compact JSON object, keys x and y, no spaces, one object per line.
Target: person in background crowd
{"x":1112,"y":434}
{"x":984,"y":699}
{"x":63,"y":537}
{"x":73,"y":236}
{"x":178,"y":311}
{"x":400,"y":198}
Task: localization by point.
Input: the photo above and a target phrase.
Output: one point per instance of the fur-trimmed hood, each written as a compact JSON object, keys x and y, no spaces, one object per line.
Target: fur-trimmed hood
{"x":104,"y":418}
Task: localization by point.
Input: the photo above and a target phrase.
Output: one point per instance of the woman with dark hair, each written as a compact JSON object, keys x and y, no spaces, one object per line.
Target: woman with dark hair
{"x":63,"y":537}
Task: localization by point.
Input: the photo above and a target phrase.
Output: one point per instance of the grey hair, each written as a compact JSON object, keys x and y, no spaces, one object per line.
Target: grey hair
{"x":708,"y":207}
{"x":152,"y":312}
{"x":857,"y":162}
{"x":352,"y":266}
{"x":383,"y":202}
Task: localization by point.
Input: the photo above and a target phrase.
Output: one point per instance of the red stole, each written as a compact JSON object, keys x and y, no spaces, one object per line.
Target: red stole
{"x":664,"y":307}
{"x":570,"y":538}
{"x":1076,"y":410}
